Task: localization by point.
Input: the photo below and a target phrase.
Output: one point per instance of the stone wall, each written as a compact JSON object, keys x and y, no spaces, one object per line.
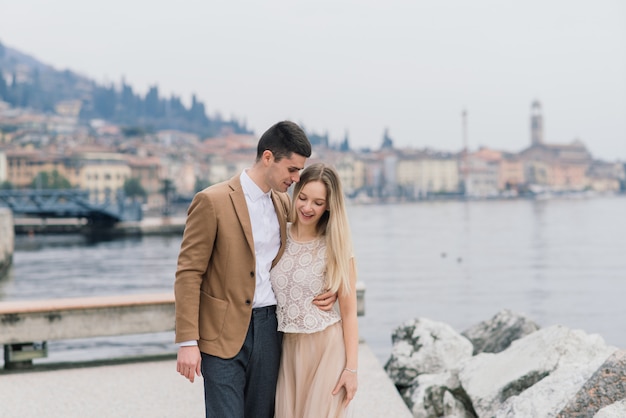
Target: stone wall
{"x":6,"y":239}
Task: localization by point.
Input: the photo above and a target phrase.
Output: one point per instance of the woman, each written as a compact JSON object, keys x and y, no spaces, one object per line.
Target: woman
{"x":318,"y":370}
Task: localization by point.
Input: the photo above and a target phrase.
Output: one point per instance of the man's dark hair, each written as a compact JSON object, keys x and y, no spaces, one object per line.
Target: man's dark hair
{"x":283,"y":139}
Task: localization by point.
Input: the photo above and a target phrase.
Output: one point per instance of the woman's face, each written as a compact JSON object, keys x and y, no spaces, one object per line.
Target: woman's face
{"x":311,"y":203}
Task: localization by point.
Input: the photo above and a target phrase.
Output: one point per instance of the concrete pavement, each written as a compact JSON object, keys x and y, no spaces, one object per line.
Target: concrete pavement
{"x":153,"y":389}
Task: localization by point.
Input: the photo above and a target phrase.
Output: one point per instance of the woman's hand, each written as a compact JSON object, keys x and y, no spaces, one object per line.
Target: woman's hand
{"x":349,"y":381}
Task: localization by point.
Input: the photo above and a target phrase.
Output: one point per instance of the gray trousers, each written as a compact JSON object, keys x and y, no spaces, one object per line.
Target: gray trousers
{"x":245,"y":385}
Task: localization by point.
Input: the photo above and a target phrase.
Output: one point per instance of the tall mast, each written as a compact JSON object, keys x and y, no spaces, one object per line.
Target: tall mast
{"x":465,"y":149}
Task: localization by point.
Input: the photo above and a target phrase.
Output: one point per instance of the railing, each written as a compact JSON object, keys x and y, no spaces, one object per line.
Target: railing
{"x":27,"y":326}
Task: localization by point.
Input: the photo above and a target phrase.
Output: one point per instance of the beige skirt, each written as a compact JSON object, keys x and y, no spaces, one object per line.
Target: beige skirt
{"x":310,"y":367}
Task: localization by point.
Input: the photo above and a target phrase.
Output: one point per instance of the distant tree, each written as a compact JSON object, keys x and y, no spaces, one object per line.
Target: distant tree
{"x":105,"y":101}
{"x":317,"y":139}
{"x":153,"y":105}
{"x":197,"y":113}
{"x":345,"y":144}
{"x":167,"y":190}
{"x":201,"y":184}
{"x":6,"y":185}
{"x":133,"y":188}
{"x":176,"y":107}
{"x":130,"y":131}
{"x":131,"y":105}
{"x":9,"y":128}
{"x":53,"y":180}
{"x":4,"y":89}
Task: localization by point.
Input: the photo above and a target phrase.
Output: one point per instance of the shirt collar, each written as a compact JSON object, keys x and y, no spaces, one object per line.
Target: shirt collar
{"x":251,"y":189}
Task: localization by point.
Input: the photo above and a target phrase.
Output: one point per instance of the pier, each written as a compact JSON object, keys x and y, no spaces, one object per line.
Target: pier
{"x":148,"y":386}
{"x":27,"y":326}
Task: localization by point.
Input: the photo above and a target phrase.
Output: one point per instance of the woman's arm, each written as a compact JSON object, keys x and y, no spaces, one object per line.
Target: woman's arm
{"x":347,"y":307}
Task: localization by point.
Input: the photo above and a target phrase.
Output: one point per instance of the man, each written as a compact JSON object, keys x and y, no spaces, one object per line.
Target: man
{"x":225,"y":307}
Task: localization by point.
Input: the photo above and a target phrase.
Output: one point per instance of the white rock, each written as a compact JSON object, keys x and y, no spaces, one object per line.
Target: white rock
{"x":615,"y":410}
{"x":427,"y":394}
{"x":535,"y":376}
{"x":423,"y":346}
{"x":454,"y":408}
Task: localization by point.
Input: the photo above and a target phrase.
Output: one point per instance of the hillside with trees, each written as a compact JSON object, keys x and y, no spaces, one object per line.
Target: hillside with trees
{"x":28,"y":83}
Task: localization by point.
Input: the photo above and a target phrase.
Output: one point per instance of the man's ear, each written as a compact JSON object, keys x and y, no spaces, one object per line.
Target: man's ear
{"x":267,"y":157}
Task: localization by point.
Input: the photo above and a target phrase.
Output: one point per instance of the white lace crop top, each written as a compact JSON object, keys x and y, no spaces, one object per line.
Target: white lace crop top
{"x":298,"y":277}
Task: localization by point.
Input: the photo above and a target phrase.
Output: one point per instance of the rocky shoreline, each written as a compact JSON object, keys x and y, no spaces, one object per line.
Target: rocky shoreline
{"x":506,"y":367}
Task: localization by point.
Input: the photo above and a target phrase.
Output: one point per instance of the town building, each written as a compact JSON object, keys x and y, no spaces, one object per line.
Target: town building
{"x":554,"y":167}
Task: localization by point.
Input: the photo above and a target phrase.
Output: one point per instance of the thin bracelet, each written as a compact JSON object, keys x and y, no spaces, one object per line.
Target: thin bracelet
{"x":350,"y":370}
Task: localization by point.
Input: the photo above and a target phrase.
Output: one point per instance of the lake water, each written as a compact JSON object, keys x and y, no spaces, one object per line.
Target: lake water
{"x":558,"y":261}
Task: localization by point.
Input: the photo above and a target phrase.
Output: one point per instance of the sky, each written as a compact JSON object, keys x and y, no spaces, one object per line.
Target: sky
{"x":357,"y":67}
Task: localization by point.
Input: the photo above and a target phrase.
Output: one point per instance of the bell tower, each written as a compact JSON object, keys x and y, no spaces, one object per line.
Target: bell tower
{"x":536,"y":124}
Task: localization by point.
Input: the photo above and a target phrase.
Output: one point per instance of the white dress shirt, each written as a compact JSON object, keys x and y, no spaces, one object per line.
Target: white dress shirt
{"x":266,"y":234}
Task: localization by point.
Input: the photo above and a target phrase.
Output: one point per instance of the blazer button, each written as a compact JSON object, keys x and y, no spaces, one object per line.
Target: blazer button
{"x":248,"y":302}
{"x":251,"y":274}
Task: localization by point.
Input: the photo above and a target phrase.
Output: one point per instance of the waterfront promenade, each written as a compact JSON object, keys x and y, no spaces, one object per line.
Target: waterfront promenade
{"x":153,"y":389}
{"x":149,"y":387}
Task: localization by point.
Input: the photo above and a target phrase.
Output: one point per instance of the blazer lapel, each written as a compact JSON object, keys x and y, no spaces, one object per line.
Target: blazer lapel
{"x":281,"y":214}
{"x":241,"y":208}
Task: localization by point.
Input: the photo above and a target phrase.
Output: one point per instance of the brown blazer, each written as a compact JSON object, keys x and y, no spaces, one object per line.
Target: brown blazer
{"x":215,"y":276}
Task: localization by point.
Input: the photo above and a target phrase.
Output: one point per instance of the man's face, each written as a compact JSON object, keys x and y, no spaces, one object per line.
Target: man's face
{"x":283,"y":173}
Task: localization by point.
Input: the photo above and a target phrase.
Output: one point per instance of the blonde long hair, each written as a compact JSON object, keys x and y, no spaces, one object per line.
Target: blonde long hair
{"x":333,"y":225}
